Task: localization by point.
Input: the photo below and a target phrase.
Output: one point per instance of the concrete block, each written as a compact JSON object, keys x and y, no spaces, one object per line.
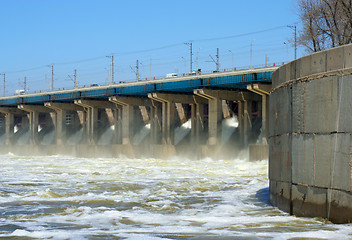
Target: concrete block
{"x":281,"y":77}
{"x":348,"y":56}
{"x":163,"y":151}
{"x":305,"y":64}
{"x":319,"y":62}
{"x":323,"y":153}
{"x":309,"y":201}
{"x":280,"y":112}
{"x":292,"y":70}
{"x":335,"y":58}
{"x":280,"y":195}
{"x":280,"y":158}
{"x":273,"y":192}
{"x":302,"y":159}
{"x":320,"y":105}
{"x":339,"y":206}
{"x":344,"y":100}
{"x":341,"y":161}
{"x":258,"y":152}
{"x":298,"y":107}
{"x":275,"y":78}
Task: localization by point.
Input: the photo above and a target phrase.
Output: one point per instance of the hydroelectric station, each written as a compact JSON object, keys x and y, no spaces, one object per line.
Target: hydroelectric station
{"x":198,"y":115}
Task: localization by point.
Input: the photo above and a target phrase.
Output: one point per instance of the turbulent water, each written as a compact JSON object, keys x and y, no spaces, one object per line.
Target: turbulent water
{"x":59,"y":197}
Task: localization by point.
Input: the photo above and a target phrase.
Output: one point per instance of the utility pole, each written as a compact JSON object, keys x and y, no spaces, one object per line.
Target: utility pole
{"x":295,"y":42}
{"x":191,"y":54}
{"x":75,"y":78}
{"x":137,"y":70}
{"x":217,"y":60}
{"x":52,"y":77}
{"x":295,"y":29}
{"x":112,"y":67}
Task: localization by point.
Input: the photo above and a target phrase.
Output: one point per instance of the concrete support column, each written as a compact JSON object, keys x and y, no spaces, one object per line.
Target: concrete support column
{"x":240,"y":121}
{"x":118,"y":125}
{"x":168,"y":122}
{"x":265,"y":110}
{"x":9,"y":127}
{"x":215,"y":117}
{"x":60,"y":127}
{"x":127,"y":127}
{"x":156,"y":122}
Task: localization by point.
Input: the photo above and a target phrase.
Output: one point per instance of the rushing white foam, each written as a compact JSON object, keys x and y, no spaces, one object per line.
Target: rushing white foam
{"x":228,"y":128}
{"x":61,"y":197}
{"x":141,"y":135}
{"x":182,"y":131}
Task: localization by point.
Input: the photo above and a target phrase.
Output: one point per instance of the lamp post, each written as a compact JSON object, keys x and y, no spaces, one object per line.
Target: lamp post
{"x":112,"y":67}
{"x":295,"y":29}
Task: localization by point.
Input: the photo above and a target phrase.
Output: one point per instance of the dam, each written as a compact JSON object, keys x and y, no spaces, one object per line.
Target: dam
{"x":310,"y":136}
{"x":197,"y":115}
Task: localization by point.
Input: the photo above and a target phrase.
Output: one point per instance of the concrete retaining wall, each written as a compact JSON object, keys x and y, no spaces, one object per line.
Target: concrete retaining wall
{"x":310,"y":142}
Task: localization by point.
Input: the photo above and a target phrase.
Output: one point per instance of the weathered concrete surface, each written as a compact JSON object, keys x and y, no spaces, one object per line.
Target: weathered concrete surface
{"x":258,"y":152}
{"x":310,"y":136}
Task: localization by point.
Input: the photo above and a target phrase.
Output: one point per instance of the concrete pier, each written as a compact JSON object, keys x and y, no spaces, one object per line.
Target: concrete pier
{"x":310,"y":136}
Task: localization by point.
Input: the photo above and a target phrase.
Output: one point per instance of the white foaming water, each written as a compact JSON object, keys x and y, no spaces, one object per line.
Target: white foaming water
{"x":138,"y":138}
{"x":48,"y":138}
{"x":62,"y":197}
{"x":107,"y":135}
{"x":228,"y":128}
{"x":182,"y":131}
{"x":75,"y":138}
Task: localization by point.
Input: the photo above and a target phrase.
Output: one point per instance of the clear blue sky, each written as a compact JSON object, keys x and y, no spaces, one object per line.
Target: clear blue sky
{"x":79,"y":34}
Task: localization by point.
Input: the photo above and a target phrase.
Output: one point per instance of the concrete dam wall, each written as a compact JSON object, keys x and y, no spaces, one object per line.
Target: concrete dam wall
{"x":310,"y":142}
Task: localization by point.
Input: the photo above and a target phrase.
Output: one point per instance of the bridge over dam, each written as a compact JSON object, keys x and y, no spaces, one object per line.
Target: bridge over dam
{"x":215,"y":115}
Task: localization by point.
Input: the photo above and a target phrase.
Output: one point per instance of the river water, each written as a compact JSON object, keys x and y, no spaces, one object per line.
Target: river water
{"x":60,"y":197}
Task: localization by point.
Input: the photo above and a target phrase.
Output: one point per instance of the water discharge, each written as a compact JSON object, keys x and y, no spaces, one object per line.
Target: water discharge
{"x":229,"y":126}
{"x":59,"y":197}
{"x":182,"y":131}
{"x":142,"y":134}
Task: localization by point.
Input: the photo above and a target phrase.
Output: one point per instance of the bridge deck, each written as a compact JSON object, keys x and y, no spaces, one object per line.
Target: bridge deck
{"x":186,"y":84}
